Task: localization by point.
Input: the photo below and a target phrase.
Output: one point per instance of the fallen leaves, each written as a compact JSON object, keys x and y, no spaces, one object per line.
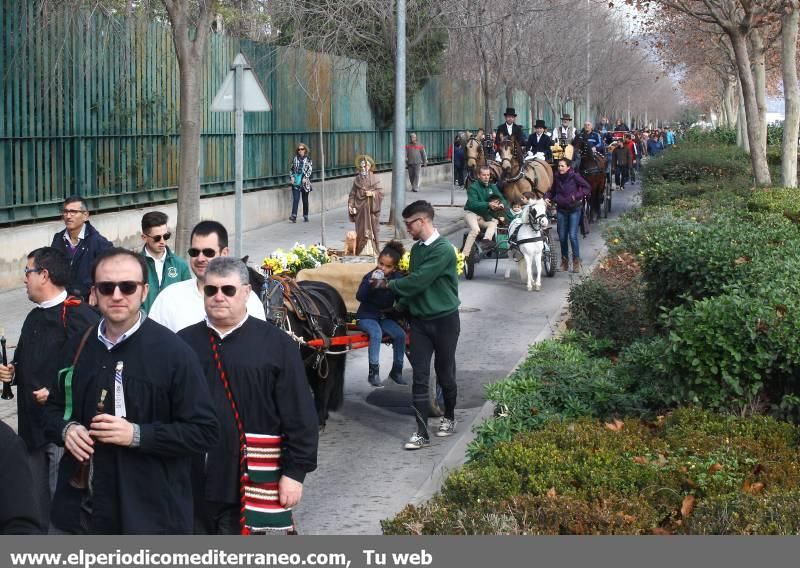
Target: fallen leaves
{"x":551,"y":493}
{"x":687,"y":506}
{"x":615,"y":426}
{"x":753,"y":488}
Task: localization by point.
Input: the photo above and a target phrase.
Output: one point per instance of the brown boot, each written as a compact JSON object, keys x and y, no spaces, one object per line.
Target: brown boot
{"x":564,"y":264}
{"x":576,"y":264}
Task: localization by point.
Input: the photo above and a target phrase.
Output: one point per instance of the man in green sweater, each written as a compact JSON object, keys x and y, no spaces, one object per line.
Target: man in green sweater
{"x":478,"y":210}
{"x":430,"y":295}
{"x":163,"y":267}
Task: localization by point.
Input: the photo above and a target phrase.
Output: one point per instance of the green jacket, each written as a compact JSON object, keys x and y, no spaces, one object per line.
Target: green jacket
{"x":478,"y":200}
{"x":175,"y":270}
{"x":431,"y":288}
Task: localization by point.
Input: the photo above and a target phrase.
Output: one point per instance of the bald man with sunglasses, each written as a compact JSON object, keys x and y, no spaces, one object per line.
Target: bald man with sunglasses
{"x":181,"y":304}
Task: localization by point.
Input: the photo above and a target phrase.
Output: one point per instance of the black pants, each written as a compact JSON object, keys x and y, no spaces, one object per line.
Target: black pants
{"x":216,"y":518}
{"x":621,"y":176}
{"x":297,"y":194}
{"x":437,"y":339}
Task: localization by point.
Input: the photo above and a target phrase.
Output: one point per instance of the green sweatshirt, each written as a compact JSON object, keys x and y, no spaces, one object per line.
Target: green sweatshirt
{"x":478,"y":200}
{"x":431,"y":288}
{"x":175,"y":270}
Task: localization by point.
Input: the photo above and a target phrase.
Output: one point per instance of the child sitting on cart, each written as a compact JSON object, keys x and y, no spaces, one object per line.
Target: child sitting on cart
{"x":500,"y":214}
{"x":373,"y":314}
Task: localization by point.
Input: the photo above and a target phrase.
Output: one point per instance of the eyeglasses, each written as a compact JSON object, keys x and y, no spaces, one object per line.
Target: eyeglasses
{"x":68,"y":212}
{"x":127,"y":287}
{"x":410,"y":223}
{"x":228,"y":289}
{"x":157,"y":238}
{"x":29,"y":270}
{"x":207,"y":252}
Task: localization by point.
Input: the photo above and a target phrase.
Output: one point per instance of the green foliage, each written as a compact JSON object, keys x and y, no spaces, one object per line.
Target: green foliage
{"x":624,"y":478}
{"x":716,"y":136}
{"x":781,"y":201}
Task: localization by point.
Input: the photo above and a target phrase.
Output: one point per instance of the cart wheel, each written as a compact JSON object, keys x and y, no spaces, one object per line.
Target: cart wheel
{"x":435,"y":397}
{"x":469,"y":263}
{"x":548,"y":258}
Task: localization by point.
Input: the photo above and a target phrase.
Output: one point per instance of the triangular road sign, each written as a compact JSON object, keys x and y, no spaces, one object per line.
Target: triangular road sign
{"x":253,"y":98}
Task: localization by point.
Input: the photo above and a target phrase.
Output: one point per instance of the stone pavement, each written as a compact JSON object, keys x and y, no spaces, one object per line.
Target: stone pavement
{"x":258,"y":243}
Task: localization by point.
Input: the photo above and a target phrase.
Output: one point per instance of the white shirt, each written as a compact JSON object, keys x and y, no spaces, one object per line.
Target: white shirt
{"x":510,"y":128}
{"x":181,"y":305}
{"x":101,"y":332}
{"x":55,"y":301}
{"x":227,"y":333}
{"x":81,"y":236}
{"x":429,"y":241}
{"x":159,"y":262}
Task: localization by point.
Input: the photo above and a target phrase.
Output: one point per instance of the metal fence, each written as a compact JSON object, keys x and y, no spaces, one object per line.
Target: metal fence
{"x":89,"y":106}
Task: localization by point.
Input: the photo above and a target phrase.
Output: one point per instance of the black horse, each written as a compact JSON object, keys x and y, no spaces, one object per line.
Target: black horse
{"x":593,"y":170}
{"x":313,"y":310}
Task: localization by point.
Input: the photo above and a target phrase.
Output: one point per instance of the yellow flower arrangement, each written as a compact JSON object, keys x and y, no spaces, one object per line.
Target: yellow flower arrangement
{"x":298,"y":258}
{"x":403,"y":265}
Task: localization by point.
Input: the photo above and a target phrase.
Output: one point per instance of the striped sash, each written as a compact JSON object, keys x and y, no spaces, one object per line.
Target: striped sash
{"x":262,"y":510}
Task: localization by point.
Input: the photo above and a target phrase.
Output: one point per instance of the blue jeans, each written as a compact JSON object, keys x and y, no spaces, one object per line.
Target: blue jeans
{"x":375,"y":329}
{"x":568,"y":223}
{"x":297,"y":193}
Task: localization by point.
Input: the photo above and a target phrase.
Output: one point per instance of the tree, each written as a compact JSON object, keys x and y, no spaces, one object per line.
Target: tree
{"x":791,"y":93}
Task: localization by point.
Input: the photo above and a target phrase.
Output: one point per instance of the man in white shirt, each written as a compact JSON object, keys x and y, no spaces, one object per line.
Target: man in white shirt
{"x":181,"y":305}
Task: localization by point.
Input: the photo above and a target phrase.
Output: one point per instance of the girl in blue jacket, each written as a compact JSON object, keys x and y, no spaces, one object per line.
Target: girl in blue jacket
{"x":373,"y":314}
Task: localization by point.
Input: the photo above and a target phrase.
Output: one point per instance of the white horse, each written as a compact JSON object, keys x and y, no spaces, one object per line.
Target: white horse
{"x":532,"y":219}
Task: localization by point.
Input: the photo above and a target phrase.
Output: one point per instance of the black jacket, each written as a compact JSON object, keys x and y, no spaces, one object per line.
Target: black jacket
{"x":516,"y":132}
{"x":542,"y":146}
{"x":144,"y":490}
{"x":18,"y":509}
{"x":375,"y":302}
{"x":80,"y":265}
{"x":44,"y":335}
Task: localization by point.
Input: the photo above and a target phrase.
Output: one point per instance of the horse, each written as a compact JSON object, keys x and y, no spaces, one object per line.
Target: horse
{"x":528,"y":240}
{"x":309,"y":310}
{"x":593,"y":170}
{"x":521,"y":175}
{"x":475,"y":158}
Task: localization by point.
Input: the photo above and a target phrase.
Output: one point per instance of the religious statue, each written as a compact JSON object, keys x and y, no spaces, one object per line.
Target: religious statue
{"x":364,"y":206}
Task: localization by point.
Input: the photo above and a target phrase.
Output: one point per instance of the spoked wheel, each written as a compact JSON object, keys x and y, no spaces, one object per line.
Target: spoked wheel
{"x":549,"y":255}
{"x":607,"y":200}
{"x":469,"y":263}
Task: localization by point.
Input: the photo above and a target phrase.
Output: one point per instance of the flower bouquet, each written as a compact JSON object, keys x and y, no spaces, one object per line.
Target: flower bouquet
{"x":403,"y":265}
{"x":296,"y":259}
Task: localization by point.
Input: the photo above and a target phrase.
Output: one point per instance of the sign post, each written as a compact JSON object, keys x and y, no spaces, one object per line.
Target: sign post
{"x":240,"y":92}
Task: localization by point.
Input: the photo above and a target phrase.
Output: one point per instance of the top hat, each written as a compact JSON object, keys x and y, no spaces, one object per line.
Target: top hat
{"x":566,"y":117}
{"x":510,"y":112}
{"x":540,"y":124}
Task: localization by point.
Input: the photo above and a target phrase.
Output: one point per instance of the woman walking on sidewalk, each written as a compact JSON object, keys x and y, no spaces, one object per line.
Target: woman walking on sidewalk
{"x":300,"y":174}
{"x":568,"y":191}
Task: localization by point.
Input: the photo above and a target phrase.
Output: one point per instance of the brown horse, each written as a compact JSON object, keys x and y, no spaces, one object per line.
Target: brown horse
{"x":475,"y":158}
{"x":520,"y":176}
{"x":593,"y":170}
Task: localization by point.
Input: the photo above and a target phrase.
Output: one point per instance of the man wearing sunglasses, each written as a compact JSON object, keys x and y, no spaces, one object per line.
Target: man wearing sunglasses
{"x":262,"y":392}
{"x":157,"y":414}
{"x":53,"y":323}
{"x":163,"y":266}
{"x":81,"y":243}
{"x":181,"y":305}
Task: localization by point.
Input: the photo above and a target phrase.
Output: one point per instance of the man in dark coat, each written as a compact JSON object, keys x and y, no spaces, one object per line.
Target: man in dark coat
{"x":539,"y":142}
{"x":157,"y":415}
{"x":18,"y":514}
{"x":56,"y":320}
{"x":81,"y":244}
{"x":258,"y":386}
{"x":509,"y":129}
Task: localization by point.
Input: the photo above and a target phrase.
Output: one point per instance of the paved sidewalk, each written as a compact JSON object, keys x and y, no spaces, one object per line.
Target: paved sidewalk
{"x":258,"y":243}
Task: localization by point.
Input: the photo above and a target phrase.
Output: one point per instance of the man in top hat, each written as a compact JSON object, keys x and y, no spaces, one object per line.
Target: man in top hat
{"x":565,"y":133}
{"x":509,"y":129}
{"x":539,"y":143}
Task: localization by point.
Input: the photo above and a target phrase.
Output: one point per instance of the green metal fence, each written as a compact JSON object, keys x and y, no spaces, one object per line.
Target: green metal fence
{"x":89,"y":106}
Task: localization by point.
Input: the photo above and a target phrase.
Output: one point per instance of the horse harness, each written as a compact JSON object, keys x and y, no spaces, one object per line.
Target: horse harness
{"x":534,"y":223}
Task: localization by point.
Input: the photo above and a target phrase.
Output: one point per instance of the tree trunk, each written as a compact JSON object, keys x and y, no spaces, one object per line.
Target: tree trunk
{"x":322,"y":174}
{"x":758,"y":154}
{"x":760,"y":77}
{"x":509,"y":95}
{"x":741,"y":121}
{"x":791,"y":96}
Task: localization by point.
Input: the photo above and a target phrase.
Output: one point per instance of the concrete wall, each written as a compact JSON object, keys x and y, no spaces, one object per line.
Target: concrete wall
{"x":124,"y":228}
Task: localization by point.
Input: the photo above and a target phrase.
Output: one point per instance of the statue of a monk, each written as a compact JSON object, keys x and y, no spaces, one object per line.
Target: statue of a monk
{"x":364,"y":206}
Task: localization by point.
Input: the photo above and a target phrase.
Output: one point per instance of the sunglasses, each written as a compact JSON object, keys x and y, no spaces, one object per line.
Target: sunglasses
{"x":207,"y":252}
{"x":228,"y":289}
{"x":127,"y":287}
{"x":157,"y":238}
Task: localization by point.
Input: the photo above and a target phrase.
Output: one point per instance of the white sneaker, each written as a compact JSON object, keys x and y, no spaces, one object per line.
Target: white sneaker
{"x":417,"y":441}
{"x":447,"y":427}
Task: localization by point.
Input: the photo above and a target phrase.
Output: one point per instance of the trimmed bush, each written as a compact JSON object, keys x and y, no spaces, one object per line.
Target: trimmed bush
{"x":780,"y":201}
{"x":670,"y":476}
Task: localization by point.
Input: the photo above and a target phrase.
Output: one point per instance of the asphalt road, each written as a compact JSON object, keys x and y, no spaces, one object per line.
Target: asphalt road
{"x":364,"y":474}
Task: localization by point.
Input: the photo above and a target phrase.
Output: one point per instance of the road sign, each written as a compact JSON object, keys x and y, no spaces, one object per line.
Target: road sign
{"x":253,"y":97}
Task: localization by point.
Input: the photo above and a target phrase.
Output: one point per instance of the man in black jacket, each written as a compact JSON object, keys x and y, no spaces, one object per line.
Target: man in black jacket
{"x":56,"y":320}
{"x":81,"y":244}
{"x":157,"y":415}
{"x":539,"y":142}
{"x":18,"y":513}
{"x":509,"y":129}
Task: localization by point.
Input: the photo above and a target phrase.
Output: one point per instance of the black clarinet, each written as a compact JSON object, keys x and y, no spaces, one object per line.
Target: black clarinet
{"x":7,"y":392}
